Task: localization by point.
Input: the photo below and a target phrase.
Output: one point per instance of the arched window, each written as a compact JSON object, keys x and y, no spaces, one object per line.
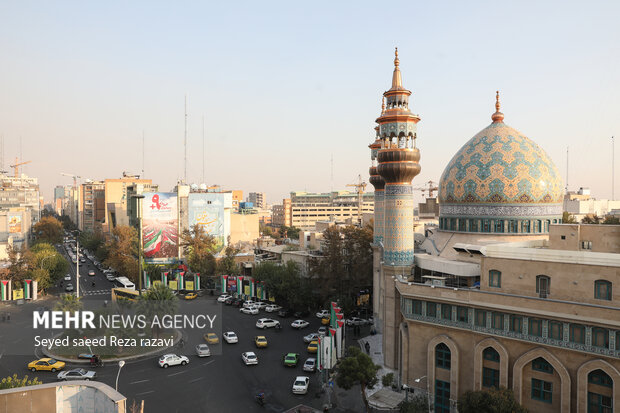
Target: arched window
{"x":490,"y":354}
{"x":543,"y":286}
{"x":495,"y":278}
{"x":599,"y":400}
{"x":600,"y":378}
{"x":602,"y":290}
{"x":442,"y":356}
{"x":600,"y":337}
{"x":540,"y":364}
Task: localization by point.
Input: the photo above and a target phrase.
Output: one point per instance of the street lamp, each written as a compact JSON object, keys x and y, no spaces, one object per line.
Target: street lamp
{"x":77,"y":263}
{"x":120,"y":366}
{"x":428,"y":391}
{"x":139,"y":199}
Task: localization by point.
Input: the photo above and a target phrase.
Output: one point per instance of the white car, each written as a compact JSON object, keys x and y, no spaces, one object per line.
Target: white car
{"x":249,"y":303}
{"x":310,"y":365}
{"x":299,"y":324}
{"x":300,"y":385}
{"x":260,"y":305}
{"x":322,"y":330}
{"x":172,"y":360}
{"x":249,"y":358}
{"x":323,"y":314}
{"x":267,"y":323}
{"x":272,"y":308}
{"x":223,"y":298}
{"x":202,"y":350}
{"x":77,"y":374}
{"x":68,"y":277}
{"x":356,"y":321}
{"x":249,"y":310}
{"x":230,"y":337}
{"x":311,"y":337}
{"x":110,"y":277}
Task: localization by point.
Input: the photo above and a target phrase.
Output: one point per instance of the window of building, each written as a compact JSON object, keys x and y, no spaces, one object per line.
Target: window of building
{"x":486,"y":225}
{"x":600,"y":337}
{"x":600,"y":378}
{"x":497,"y":321}
{"x":539,"y":226}
{"x":516,"y":323}
{"x":499,"y":225}
{"x":495,"y":278}
{"x":602,"y":290}
{"x":462,"y":224}
{"x":462,"y":315}
{"x":442,"y":356}
{"x":577,"y":333}
{"x":543,"y":286}
{"x":480,"y":318}
{"x":542,"y":390}
{"x":442,"y":396}
{"x":586,"y":245}
{"x":431,"y":309}
{"x":473,"y":225}
{"x":446,"y":312}
{"x":416,"y":307}
{"x":525,"y":227}
{"x":490,"y":354}
{"x":452,"y":224}
{"x":490,"y":377}
{"x":563,"y":237}
{"x":556,"y":330}
{"x":535,"y":327}
{"x":597,"y":403}
{"x":540,"y":364}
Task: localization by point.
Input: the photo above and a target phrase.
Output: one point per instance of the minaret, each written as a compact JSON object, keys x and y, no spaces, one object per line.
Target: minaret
{"x":398,"y":164}
{"x":377,"y":245}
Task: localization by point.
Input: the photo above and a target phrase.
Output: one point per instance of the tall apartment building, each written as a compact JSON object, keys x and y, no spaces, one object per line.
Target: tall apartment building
{"x":116,"y":200}
{"x":21,"y":191}
{"x":257,"y":198}
{"x":92,"y":206}
{"x":281,"y":214}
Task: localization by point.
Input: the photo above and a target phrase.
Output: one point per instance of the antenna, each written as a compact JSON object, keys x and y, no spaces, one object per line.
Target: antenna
{"x":142,"y":153}
{"x":613,"y":172}
{"x":2,"y":154}
{"x":203,"y":149}
{"x":185,"y":145}
{"x":566,"y":189}
{"x":332,"y":173}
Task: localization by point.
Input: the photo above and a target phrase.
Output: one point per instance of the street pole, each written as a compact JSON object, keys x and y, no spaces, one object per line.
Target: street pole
{"x":77,"y":265}
{"x":139,"y":216}
{"x":120,"y":366}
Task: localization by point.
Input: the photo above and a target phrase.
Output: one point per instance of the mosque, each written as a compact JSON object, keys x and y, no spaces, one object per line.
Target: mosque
{"x":500,"y":293}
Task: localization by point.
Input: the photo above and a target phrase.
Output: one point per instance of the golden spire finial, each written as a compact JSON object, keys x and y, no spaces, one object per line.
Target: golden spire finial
{"x":396,"y":61}
{"x":497,"y":116}
{"x":397,"y":81}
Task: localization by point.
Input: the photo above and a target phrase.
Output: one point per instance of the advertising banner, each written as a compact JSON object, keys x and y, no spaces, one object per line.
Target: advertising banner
{"x":14,"y":223}
{"x":160,"y":227}
{"x":208,"y":211}
{"x":189,"y":285}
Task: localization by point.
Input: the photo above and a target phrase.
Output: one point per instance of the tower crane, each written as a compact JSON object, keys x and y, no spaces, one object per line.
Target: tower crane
{"x":360,"y":186}
{"x":17,"y":165}
{"x":430,"y":186}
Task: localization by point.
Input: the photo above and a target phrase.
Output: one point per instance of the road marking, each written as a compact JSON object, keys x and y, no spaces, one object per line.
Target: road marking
{"x":174,"y":374}
{"x":139,"y":381}
{"x":208,"y":362}
{"x":195,"y":380}
{"x":146,"y":392}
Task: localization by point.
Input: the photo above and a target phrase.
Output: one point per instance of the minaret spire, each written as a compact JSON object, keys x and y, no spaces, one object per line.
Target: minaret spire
{"x":397,"y":81}
{"x":497,"y":116}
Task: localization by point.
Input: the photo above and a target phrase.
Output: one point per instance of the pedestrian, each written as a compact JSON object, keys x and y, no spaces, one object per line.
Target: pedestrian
{"x":367,"y":345}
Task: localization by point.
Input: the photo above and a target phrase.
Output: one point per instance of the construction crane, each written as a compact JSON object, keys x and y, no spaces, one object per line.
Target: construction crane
{"x":360,"y":186}
{"x":75,"y":178}
{"x":17,"y":165}
{"x":430,"y":186}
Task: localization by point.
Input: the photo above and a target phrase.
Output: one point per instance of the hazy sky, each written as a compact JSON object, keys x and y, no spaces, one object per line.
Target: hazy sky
{"x":284,"y":86}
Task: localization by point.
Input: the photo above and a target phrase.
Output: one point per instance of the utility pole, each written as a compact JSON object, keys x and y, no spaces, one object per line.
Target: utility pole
{"x":566,"y":170}
{"x":203,"y":149}
{"x":185,"y":145}
{"x":142,"y":153}
{"x":613,"y":169}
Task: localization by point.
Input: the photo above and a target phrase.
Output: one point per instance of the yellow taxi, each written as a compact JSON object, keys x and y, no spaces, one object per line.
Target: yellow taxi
{"x":191,"y":296}
{"x":260,"y":341}
{"x":46,"y":364}
{"x":325,"y":321}
{"x":211,"y":338}
{"x":313,"y":347}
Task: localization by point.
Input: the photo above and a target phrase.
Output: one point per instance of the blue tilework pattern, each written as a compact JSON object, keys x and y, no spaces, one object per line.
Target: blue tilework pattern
{"x":379,"y":217}
{"x":398,"y":226}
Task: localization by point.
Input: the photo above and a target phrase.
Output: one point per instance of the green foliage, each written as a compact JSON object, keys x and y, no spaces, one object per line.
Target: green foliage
{"x":122,"y":251}
{"x":67,"y":223}
{"x":199,"y":248}
{"x":387,"y":380}
{"x":265,"y":230}
{"x":568,"y":218}
{"x":46,"y":257}
{"x":611,"y":220}
{"x":159,"y":300}
{"x":227,"y":264}
{"x":68,"y":302}
{"x":91,"y":240}
{"x":41,"y":263}
{"x":418,"y":404}
{"x":288,"y":232}
{"x":356,"y":368}
{"x":591,"y":219}
{"x":285,"y":284}
{"x":48,"y":229}
{"x":12,"y":382}
{"x":500,"y":400}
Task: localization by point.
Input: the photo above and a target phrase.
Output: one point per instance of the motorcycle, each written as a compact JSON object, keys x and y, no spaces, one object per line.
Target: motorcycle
{"x":260,"y":398}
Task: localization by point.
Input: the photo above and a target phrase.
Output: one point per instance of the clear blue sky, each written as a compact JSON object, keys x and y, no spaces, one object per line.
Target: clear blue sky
{"x":286,"y":85}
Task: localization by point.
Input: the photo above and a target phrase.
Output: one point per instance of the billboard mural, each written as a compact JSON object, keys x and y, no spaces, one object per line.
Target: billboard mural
{"x":160,"y":227}
{"x":208,"y":211}
{"x":14,"y":223}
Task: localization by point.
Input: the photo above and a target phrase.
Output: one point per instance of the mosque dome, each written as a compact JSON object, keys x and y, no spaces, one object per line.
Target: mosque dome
{"x":501,"y":182}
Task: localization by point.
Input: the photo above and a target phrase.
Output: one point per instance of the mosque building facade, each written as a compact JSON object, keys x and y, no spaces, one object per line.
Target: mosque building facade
{"x":501,"y":293}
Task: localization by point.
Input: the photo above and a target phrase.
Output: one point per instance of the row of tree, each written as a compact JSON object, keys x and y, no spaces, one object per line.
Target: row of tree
{"x":568,"y":218}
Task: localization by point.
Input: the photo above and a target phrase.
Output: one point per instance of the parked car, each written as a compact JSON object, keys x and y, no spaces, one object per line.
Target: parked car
{"x":249,"y":303}
{"x":323,"y":313}
{"x":311,"y":337}
{"x":230,"y":337}
{"x":249,"y":310}
{"x":284,"y":313}
{"x":229,"y":300}
{"x":267,"y":323}
{"x":300,"y":385}
{"x":356,"y":321}
{"x":249,"y":358}
{"x":271,"y":308}
{"x":77,"y":374}
{"x":299,"y":324}
{"x":260,"y":305}
{"x":223,"y":298}
{"x":290,"y":359}
{"x":237,"y":302}
{"x":322,"y":330}
{"x":68,"y":277}
{"x":172,"y":360}
{"x":202,"y":350}
{"x":310,"y":365}
{"x":110,"y":277}
{"x":69,"y":287}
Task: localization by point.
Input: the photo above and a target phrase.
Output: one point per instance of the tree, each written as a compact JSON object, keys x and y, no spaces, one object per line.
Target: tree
{"x":69,"y":302}
{"x":12,"y":382}
{"x":91,"y":240}
{"x":611,"y":220}
{"x":48,"y":229}
{"x":357,"y":368}
{"x":199,"y":247}
{"x":285,"y":283}
{"x":265,"y":230}
{"x":568,"y":218}
{"x":418,"y":404}
{"x":227,"y":264}
{"x":157,"y":301}
{"x":591,"y":219}
{"x":123,"y":252}
{"x":19,"y":263}
{"x":45,"y":257}
{"x":500,"y":400}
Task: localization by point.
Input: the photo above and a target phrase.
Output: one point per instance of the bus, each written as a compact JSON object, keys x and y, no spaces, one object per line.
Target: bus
{"x":124,"y":293}
{"x":123,"y":282}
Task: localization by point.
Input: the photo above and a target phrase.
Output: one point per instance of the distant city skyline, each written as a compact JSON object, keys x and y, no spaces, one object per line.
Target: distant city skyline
{"x":285,"y":87}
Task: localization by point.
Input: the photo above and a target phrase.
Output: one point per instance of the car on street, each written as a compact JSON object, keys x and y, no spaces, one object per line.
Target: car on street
{"x":237,"y":302}
{"x":249,"y":310}
{"x":110,"y":277}
{"x":325,"y":321}
{"x":230,"y":337}
{"x":69,"y":287}
{"x":249,"y":358}
{"x":191,"y":296}
{"x":260,"y":305}
{"x":172,"y":360}
{"x":223,"y":298}
{"x":260,"y":341}
{"x":249,"y":303}
{"x":313,"y":347}
{"x":355,"y":321}
{"x":77,"y":374}
{"x":46,"y":364}
{"x":202,"y":350}
{"x":211,"y":338}
{"x":82,"y":260}
{"x":267,"y":323}
{"x":310,"y":365}
{"x":323,"y":314}
{"x":68,"y":277}
{"x":91,"y":273}
{"x":290,"y":359}
{"x":299,"y":324}
{"x":272,"y":308}
{"x":322,"y":330}
{"x":284,"y":313}
{"x":311,"y":337}
{"x":300,"y":385}
{"x":229,"y":300}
